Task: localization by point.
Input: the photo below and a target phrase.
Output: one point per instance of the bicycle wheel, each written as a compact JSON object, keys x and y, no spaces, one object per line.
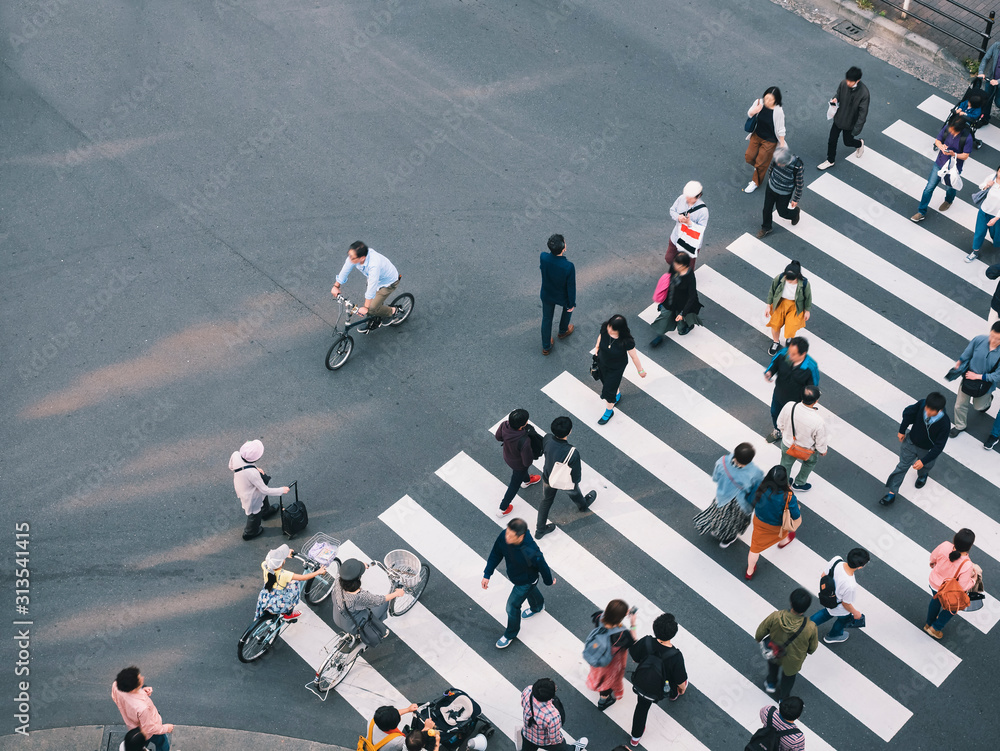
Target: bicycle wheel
{"x":318,"y":589}
{"x":340,"y":350}
{"x":257,"y":639}
{"x":401,"y":604}
{"x":338,"y":664}
{"x":404,"y":301}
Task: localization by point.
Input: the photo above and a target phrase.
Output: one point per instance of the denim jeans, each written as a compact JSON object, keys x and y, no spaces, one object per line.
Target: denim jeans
{"x":518,"y":595}
{"x":838,"y":627}
{"x":160,"y":742}
{"x":932,"y":182}
{"x":548,"y":313}
{"x":995,"y":430}
{"x":776,"y":405}
{"x":517,"y":476}
{"x":937,"y":617}
{"x":981,"y":229}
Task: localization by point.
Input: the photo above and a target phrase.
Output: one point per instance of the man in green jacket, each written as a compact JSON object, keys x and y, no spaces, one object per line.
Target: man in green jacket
{"x":789,"y":304}
{"x":796,"y":634}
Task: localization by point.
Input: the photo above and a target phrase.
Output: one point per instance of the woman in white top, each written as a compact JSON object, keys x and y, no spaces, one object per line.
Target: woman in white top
{"x":768,"y":132}
{"x":989,"y":212}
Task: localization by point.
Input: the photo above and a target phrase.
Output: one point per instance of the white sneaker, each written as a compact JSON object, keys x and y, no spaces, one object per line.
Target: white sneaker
{"x":581,"y":743}
{"x":861,"y":150}
{"x":825,"y":165}
{"x":972,"y":256}
{"x":751,"y":187}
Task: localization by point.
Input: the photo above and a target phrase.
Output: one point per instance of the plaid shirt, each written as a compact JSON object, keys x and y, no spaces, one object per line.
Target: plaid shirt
{"x":547,"y":730}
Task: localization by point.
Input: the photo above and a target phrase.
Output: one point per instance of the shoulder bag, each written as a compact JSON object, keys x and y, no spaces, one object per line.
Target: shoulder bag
{"x":771,"y":650}
{"x":595,"y":368}
{"x":795,"y":451}
{"x":788,"y":524}
{"x":978,"y":388}
{"x":951,"y":595}
{"x":561,"y":476}
{"x":751,"y":124}
{"x":692,"y":235}
{"x":725,"y":467}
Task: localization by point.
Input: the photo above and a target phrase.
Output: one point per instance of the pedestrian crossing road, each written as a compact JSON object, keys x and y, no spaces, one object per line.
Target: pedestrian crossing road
{"x":709,"y":389}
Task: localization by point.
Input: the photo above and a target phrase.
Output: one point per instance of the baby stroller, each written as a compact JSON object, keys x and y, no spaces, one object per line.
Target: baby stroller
{"x":975,"y":107}
{"x":457,"y":717}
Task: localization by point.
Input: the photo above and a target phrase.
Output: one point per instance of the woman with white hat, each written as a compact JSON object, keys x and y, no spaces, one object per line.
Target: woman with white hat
{"x":282,"y":588}
{"x":251,"y":487}
{"x":690,"y":215}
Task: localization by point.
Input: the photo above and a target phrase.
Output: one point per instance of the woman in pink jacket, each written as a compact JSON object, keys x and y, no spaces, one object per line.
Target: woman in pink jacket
{"x":950,"y":560}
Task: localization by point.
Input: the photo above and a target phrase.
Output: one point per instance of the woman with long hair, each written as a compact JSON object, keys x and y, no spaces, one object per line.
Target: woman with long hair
{"x":615,"y":345}
{"x":736,"y":478}
{"x":773,"y":496}
{"x":768,"y":131}
{"x":950,"y":560}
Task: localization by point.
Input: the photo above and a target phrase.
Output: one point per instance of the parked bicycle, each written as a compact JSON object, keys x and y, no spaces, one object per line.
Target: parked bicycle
{"x":343,"y":342}
{"x":320,"y":550}
{"x":406,"y":572}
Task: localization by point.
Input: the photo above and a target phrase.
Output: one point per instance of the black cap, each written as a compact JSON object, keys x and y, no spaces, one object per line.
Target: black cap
{"x":351,"y":569}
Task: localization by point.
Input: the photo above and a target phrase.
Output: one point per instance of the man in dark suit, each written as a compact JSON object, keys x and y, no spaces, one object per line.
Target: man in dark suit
{"x":558,"y":288}
{"x":928,"y":426}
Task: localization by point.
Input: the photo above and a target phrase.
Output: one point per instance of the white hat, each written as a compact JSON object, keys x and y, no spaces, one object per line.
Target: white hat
{"x":693,"y":189}
{"x":251,"y":451}
{"x":276,"y":558}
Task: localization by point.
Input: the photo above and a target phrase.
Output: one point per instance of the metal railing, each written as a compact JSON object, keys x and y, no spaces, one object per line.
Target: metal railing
{"x":984,"y":35}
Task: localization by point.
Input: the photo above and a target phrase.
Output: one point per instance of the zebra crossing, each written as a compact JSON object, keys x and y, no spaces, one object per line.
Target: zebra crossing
{"x":707,"y":579}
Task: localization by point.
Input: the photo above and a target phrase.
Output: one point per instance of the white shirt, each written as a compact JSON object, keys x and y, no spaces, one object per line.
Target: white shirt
{"x":788,"y":290}
{"x":699,"y":217}
{"x":846,"y":587}
{"x":991,"y":204}
{"x":810,"y":430}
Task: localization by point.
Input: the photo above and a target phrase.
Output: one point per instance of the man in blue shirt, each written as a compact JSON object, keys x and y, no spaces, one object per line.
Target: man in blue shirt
{"x":382,"y":279}
{"x":954,"y":140}
{"x":558,"y":288}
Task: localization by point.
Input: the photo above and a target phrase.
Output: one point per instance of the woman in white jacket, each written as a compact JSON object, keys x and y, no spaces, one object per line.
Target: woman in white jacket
{"x":251,"y":487}
{"x":768,"y":132}
{"x":989,"y":212}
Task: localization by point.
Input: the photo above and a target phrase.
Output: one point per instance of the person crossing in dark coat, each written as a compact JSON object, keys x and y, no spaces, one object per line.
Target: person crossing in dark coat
{"x":851,"y":102}
{"x":513,"y":433}
{"x":785,"y":179}
{"x":680,"y":309}
{"x":556,"y":448}
{"x":558,"y":288}
{"x":923,"y":430}
{"x":791,"y":369}
{"x":525,"y":565}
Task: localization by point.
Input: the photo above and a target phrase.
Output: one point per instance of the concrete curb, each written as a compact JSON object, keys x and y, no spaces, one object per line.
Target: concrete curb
{"x":184,"y":738}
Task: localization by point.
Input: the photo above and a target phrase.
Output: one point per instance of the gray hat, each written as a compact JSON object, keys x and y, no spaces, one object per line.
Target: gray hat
{"x":351,"y":569}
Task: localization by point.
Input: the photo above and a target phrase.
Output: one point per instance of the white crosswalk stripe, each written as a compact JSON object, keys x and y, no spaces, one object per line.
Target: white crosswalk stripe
{"x":939,"y":108}
{"x":923,"y":144}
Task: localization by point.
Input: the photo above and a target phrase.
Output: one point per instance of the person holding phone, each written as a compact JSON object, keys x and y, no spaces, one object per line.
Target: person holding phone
{"x":954,"y":140}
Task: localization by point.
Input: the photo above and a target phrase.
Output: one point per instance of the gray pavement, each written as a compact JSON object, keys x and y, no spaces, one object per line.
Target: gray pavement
{"x":180,"y":184}
{"x":184,"y":737}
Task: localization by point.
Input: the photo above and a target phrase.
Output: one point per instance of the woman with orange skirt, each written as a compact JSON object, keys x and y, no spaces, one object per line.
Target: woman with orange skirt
{"x":609,"y":680}
{"x":773,"y":496}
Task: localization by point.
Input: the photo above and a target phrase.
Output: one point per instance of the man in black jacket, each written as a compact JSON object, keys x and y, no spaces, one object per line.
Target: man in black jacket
{"x":791,"y":369}
{"x":657,"y":658}
{"x":556,"y":448}
{"x":928,"y":425}
{"x":558,"y":288}
{"x":851,"y":100}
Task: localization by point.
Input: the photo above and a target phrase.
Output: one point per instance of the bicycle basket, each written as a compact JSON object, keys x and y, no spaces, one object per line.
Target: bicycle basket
{"x":321,"y":548}
{"x":404,"y":563}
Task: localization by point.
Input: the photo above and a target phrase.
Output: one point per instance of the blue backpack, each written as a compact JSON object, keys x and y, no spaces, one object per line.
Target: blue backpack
{"x":597,"y":647}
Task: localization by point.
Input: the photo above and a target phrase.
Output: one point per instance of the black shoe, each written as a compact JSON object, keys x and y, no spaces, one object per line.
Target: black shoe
{"x":258,"y":533}
{"x":888,"y":499}
{"x":589,"y":499}
{"x":773,"y":349}
{"x":269,"y":511}
{"x":921,"y":481}
{"x":683,"y":329}
{"x":656,"y":342}
{"x":605,"y":701}
{"x":954,"y":432}
{"x":540,"y":533}
{"x":991,"y":443}
{"x":798,"y":215}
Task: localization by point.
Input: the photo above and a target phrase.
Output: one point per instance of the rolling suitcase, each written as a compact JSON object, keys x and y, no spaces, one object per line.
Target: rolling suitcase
{"x":294,"y":518}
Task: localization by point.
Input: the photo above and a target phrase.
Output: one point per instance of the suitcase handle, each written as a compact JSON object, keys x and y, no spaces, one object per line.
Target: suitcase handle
{"x":281,"y":503}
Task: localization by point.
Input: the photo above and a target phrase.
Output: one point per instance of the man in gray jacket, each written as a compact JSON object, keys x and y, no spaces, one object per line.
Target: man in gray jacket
{"x":980,"y":364}
{"x":555,"y":448}
{"x":851,"y":101}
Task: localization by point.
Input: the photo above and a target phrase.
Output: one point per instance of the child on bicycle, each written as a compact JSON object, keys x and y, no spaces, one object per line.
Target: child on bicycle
{"x":282,"y":588}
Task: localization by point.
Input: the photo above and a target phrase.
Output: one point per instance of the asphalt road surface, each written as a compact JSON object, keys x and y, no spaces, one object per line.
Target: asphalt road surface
{"x":180,"y":182}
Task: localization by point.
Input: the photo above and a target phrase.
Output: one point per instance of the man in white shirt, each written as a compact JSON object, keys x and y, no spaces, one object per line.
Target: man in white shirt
{"x":846,"y":586}
{"x":809,"y":432}
{"x":382,"y":279}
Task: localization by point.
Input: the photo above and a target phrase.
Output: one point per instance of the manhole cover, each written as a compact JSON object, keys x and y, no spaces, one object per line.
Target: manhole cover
{"x":850,"y":30}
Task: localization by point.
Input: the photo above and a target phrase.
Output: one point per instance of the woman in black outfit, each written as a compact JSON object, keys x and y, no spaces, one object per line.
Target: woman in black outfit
{"x":680,"y":309}
{"x":615,"y":346}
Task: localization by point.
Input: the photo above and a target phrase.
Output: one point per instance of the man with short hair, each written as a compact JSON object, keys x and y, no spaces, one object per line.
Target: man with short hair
{"x":513,"y":433}
{"x":796,"y":634}
{"x":382,"y":282}
{"x":131,"y":695}
{"x":783,"y":719}
{"x":659,"y":650}
{"x":851,"y":101}
{"x":525,"y":564}
{"x":846,"y":588}
{"x":954,"y":140}
{"x":923,"y":430}
{"x":383,"y":729}
{"x":785,"y":179}
{"x":558,"y":288}
{"x":556,"y":448}
{"x":791,"y":369}
{"x":808,"y":431}
{"x":980,"y":367}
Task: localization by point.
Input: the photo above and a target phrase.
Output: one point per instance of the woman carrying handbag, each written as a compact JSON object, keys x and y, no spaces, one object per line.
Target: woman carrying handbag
{"x":776,"y":516}
{"x":953,"y":576}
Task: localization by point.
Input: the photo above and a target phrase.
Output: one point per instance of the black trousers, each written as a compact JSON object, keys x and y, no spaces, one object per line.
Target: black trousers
{"x":777,"y":201}
{"x":642,"y":706}
{"x":254,"y":520}
{"x":831,"y":147}
{"x":787,"y":681}
{"x":549,"y":495}
{"x":517,"y":476}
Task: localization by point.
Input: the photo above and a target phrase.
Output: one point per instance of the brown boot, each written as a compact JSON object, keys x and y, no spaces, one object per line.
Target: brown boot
{"x":569,"y":330}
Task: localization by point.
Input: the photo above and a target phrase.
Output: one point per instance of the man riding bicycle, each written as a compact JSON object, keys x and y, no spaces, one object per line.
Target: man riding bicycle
{"x":382,"y":282}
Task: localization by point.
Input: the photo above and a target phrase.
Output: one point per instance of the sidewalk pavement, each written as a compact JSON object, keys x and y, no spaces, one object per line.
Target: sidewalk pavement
{"x":184,"y":738}
{"x":961,"y":51}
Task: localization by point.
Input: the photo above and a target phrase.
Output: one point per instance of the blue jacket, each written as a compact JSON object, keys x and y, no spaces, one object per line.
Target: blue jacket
{"x":524,"y":562}
{"x":771,"y":507}
{"x":932,"y":439}
{"x":558,"y":280}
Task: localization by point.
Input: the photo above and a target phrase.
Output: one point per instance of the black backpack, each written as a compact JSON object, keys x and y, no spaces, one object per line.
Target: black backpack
{"x":535,"y":438}
{"x":828,"y":587}
{"x":650,"y":675}
{"x":768,"y":738}
{"x":294,"y":517}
